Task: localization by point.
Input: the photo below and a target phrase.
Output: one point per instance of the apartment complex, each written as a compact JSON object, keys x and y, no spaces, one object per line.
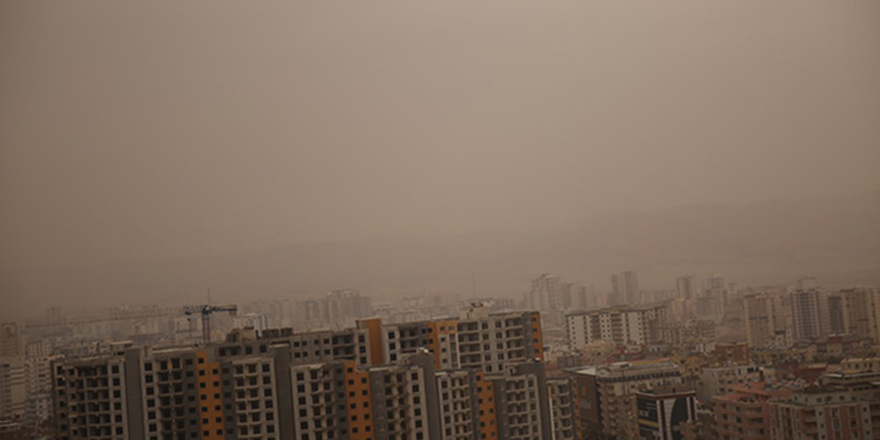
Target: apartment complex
{"x":322,"y":385}
{"x":622,"y":325}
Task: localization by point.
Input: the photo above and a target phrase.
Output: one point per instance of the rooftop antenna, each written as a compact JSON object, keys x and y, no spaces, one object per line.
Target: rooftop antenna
{"x":209,"y":295}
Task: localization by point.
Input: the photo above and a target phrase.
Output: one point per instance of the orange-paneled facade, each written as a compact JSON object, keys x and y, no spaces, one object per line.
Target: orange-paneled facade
{"x":537,"y":337}
{"x":374,"y":333}
{"x":441,"y":343}
{"x":486,"y":408}
{"x":210,"y":398}
{"x":360,"y":406}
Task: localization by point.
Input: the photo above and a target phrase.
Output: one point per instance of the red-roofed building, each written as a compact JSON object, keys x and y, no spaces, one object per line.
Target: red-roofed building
{"x":745,"y":414}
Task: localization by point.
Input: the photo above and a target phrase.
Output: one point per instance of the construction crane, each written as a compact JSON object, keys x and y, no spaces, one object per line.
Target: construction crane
{"x":205,"y":311}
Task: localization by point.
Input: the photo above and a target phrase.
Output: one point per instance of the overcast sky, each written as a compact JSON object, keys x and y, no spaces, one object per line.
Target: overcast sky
{"x":149,"y":129}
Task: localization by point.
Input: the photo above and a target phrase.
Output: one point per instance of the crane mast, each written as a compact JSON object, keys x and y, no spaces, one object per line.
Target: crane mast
{"x":205,"y":311}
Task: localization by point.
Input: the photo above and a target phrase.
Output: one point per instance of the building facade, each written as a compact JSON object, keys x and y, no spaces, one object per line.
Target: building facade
{"x":664,"y":410}
{"x":622,"y":325}
{"x":821,"y":413}
{"x":284,"y":385}
{"x":607,"y":396}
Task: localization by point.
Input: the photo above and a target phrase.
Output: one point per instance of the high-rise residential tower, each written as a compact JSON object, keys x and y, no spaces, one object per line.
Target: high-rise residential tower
{"x":809,"y":312}
{"x":546,"y":293}
{"x":625,"y":288}
{"x":687,"y":287}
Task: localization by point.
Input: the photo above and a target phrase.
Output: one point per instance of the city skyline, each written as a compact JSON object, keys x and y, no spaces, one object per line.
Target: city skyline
{"x":455,"y":220}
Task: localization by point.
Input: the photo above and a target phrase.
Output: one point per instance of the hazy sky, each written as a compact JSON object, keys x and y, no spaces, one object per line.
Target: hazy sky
{"x":144,"y":129}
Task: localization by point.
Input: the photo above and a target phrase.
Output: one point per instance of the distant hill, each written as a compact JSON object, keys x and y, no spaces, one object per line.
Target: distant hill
{"x":836,"y":240}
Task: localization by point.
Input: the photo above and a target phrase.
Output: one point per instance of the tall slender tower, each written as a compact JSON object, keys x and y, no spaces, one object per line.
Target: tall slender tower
{"x":625,"y":288}
{"x":809,"y":312}
{"x":687,"y":287}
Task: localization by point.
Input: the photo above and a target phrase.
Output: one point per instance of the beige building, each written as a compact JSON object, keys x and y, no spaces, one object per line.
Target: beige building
{"x":818,"y":413}
{"x":860,"y":312}
{"x":13,"y":387}
{"x":607,"y":395}
{"x":719,"y":381}
{"x":765,"y":318}
{"x":11,"y":340}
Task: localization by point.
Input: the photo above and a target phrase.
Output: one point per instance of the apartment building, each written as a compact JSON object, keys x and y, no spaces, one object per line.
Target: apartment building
{"x":607,"y":395}
{"x":622,"y":325}
{"x":90,"y":401}
{"x":546,"y":293}
{"x":663,"y":411}
{"x":687,"y":332}
{"x":322,"y":407}
{"x":11,"y":340}
{"x":810,"y":316}
{"x":745,"y":413}
{"x":404,"y":401}
{"x":305,"y":347}
{"x":858,"y":375}
{"x":625,"y":288}
{"x":686,"y":287}
{"x":13,"y":387}
{"x":406,"y":338}
{"x":479,"y":340}
{"x":490,"y":342}
{"x":458,"y":412}
{"x":765,"y":320}
{"x":260,"y":397}
{"x":821,"y":413}
{"x":521,"y":401}
{"x":563,"y":407}
{"x":718,"y":381}
{"x":181,"y":393}
{"x":858,"y":308}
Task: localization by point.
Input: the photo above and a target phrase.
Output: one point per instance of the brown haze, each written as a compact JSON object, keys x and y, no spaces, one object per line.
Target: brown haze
{"x":148,"y":149}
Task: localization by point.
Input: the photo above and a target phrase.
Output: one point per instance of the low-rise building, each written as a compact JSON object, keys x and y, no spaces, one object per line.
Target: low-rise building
{"x":718,"y":381}
{"x":732,"y":352}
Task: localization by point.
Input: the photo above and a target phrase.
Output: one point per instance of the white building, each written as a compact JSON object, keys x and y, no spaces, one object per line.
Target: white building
{"x":622,"y":325}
